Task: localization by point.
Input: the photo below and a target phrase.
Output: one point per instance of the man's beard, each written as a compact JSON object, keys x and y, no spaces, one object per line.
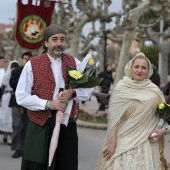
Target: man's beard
{"x":57,"y":50}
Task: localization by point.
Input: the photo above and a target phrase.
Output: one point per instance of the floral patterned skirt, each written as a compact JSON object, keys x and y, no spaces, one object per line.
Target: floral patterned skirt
{"x":147,"y":156}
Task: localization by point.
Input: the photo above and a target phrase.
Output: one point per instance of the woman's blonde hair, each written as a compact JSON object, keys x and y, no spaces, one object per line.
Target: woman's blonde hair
{"x":139,"y":55}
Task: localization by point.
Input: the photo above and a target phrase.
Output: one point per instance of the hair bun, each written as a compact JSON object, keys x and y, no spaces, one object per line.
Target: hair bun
{"x":140,"y":53}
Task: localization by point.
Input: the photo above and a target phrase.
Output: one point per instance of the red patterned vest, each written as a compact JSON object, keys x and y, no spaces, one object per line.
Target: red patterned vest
{"x":44,"y":84}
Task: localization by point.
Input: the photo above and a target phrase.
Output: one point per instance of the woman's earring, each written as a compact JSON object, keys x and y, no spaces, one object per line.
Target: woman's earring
{"x":130,"y":76}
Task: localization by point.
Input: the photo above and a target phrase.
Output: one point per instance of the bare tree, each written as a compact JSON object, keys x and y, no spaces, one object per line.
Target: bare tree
{"x":75,"y":19}
{"x":160,"y":38}
{"x":132,"y":25}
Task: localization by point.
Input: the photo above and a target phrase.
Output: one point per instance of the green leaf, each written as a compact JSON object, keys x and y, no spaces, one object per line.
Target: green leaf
{"x":86,"y":81}
{"x":77,"y":83}
{"x":166,"y":113}
{"x":69,"y":68}
{"x":82,"y":80}
{"x":92,"y":82}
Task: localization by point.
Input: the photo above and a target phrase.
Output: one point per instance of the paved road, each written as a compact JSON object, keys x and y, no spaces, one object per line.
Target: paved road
{"x":90,"y":143}
{"x":6,"y":162}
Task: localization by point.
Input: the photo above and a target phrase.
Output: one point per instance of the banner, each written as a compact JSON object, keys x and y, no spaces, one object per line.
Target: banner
{"x":31,"y":22}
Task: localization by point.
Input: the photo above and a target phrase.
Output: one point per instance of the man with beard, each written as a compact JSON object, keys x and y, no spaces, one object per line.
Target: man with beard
{"x":38,"y":90}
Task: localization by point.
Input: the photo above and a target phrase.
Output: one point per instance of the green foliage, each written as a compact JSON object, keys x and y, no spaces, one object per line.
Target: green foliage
{"x":152,"y":53}
{"x":150,"y":17}
{"x":163,"y":113}
{"x":86,"y":81}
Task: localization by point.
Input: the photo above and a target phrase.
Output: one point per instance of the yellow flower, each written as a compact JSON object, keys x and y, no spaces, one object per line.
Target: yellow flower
{"x":75,"y":74}
{"x":161,"y":106}
{"x":91,"y":61}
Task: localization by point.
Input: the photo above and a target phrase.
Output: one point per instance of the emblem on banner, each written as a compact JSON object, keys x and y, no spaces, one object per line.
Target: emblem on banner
{"x":32,"y":28}
{"x":32,"y":20}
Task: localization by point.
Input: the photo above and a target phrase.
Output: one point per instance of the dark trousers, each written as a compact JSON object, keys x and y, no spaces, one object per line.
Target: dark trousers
{"x":20,"y":122}
{"x":66,"y":155}
{"x":25,"y":120}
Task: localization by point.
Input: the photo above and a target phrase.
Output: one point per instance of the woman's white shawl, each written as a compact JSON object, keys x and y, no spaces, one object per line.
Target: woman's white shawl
{"x":140,"y":123}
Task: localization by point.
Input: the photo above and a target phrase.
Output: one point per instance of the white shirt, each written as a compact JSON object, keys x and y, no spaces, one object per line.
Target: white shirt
{"x":26,"y":81}
{"x":2,"y":73}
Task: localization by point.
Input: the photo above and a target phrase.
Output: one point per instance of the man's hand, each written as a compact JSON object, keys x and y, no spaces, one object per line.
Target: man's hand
{"x":65,"y":96}
{"x":57,"y":105}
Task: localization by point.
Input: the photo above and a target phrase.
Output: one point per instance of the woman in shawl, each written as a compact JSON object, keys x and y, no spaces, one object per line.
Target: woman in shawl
{"x":132,"y":119}
{"x":5,"y":110}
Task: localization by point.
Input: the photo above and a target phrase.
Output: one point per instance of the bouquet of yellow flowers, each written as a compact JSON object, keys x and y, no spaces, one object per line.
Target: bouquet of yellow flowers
{"x":83,"y":77}
{"x":163,"y":113}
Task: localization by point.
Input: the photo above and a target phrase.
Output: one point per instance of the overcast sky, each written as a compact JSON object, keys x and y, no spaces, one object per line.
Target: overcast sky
{"x":8,"y":9}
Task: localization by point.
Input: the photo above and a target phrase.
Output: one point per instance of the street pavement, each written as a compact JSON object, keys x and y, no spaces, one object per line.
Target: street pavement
{"x":6,"y":162}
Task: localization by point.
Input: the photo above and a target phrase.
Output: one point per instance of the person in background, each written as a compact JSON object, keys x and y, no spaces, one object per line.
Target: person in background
{"x":5,"y":110}
{"x":19,"y":114}
{"x":155,"y":78}
{"x":132,"y":119}
{"x":2,"y":73}
{"x":38,"y":90}
{"x":104,"y":86}
{"x":166,"y":92}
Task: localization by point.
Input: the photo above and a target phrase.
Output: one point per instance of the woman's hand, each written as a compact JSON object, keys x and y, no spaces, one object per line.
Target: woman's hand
{"x":157,"y":134}
{"x":109,"y":151}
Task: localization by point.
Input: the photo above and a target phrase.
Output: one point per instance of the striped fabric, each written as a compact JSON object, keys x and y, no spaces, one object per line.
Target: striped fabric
{"x":29,"y":165}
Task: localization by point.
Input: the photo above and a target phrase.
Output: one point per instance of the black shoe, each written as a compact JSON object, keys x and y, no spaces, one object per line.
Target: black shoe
{"x":17,"y":154}
{"x":102,"y":107}
{"x":5,"y":140}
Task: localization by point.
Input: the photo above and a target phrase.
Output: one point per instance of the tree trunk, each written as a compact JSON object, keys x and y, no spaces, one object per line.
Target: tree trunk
{"x":130,"y":28}
{"x":74,"y":44}
{"x":163,"y":64}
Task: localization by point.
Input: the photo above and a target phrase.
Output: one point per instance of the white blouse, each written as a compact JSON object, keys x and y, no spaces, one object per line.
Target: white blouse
{"x":2,"y":73}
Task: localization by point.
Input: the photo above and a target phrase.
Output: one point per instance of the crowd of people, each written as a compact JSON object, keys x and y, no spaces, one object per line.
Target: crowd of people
{"x":5,"y":109}
{"x":13,"y":117}
{"x":29,"y":100}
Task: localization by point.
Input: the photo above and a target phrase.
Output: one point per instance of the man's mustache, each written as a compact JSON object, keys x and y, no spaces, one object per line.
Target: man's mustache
{"x":57,"y":48}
